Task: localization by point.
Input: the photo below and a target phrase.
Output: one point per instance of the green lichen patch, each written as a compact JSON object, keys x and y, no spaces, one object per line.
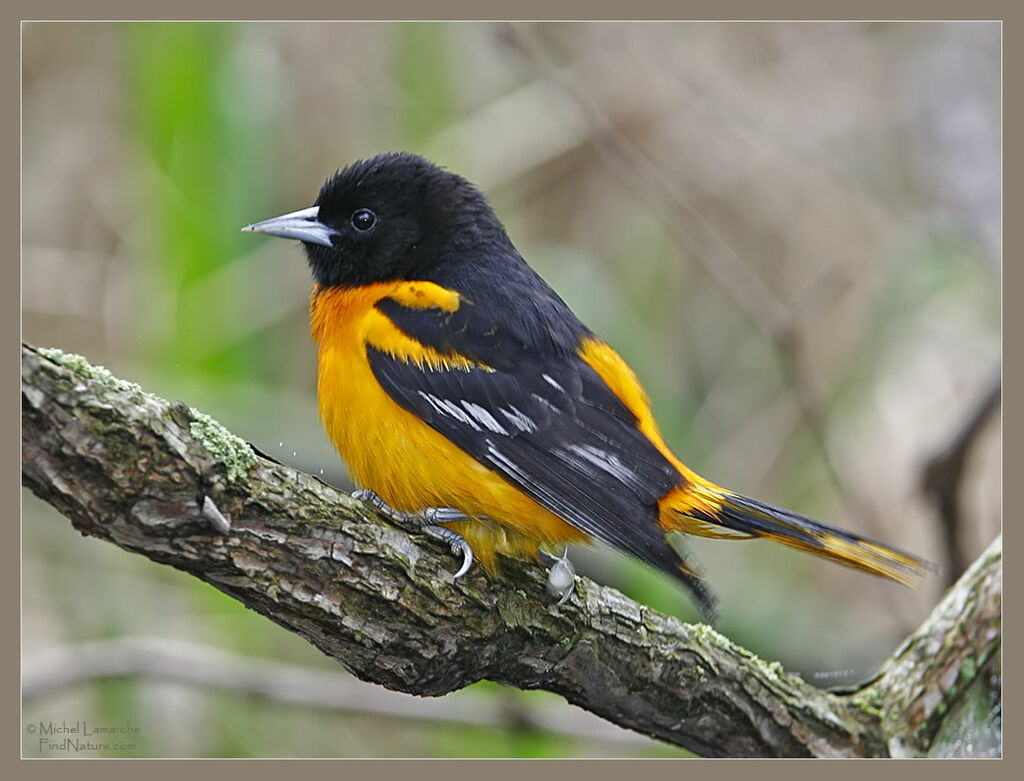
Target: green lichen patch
{"x":234,"y":451}
{"x":709,"y":636}
{"x":968,"y":669}
{"x":772,"y":671}
{"x":869,"y":702}
{"x":79,"y":365}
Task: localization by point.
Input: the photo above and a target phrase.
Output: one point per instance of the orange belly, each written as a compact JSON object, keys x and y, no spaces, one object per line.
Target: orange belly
{"x":390,"y":450}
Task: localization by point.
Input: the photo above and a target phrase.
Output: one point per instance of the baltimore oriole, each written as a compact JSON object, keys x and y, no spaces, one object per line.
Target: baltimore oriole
{"x":461,"y":390}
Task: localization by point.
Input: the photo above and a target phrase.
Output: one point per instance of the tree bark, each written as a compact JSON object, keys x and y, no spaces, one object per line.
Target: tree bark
{"x":163,"y":480}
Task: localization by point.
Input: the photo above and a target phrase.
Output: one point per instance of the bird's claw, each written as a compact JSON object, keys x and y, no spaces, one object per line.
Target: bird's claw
{"x":366,"y":495}
{"x":561,"y":581}
{"x":428,"y":521}
{"x":372,"y":498}
{"x":457,"y":543}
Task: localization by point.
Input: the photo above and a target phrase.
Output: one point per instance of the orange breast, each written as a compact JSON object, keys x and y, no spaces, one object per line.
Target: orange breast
{"x":390,"y":450}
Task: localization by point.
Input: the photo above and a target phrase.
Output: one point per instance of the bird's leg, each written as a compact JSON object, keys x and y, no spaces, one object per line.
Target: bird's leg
{"x":561,"y":575}
{"x":429,"y":521}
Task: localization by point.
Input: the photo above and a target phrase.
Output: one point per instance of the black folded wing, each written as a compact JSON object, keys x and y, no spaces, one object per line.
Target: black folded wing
{"x":544,"y":420}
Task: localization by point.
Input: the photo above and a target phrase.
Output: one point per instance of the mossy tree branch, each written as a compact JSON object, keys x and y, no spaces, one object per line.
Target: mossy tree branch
{"x":165,"y":481}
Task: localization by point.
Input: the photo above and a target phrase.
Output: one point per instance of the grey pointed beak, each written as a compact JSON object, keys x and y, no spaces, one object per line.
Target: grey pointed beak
{"x":302,"y":225}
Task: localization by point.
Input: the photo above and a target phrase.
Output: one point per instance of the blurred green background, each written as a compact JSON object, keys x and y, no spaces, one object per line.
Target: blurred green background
{"x":683,"y":186}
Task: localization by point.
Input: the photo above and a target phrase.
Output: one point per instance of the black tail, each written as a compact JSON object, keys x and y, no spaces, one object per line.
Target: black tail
{"x":742,"y":515}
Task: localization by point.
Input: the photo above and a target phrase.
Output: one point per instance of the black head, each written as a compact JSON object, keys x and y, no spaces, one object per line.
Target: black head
{"x":393,"y":216}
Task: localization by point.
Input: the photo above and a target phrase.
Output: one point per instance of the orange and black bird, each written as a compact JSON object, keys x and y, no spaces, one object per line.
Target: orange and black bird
{"x":464,"y":395}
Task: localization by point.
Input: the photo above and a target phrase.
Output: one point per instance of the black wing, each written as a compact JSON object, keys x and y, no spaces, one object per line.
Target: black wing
{"x":543,"y":419}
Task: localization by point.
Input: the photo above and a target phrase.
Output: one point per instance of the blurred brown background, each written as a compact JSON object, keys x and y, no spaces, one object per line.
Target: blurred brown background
{"x":791,"y":231}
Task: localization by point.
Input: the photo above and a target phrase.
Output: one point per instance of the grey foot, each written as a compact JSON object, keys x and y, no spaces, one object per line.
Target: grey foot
{"x":455,"y":541}
{"x":561,"y":575}
{"x":427,"y":521}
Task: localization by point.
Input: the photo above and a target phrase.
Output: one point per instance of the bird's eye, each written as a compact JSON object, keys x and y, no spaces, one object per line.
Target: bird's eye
{"x":363,"y":219}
